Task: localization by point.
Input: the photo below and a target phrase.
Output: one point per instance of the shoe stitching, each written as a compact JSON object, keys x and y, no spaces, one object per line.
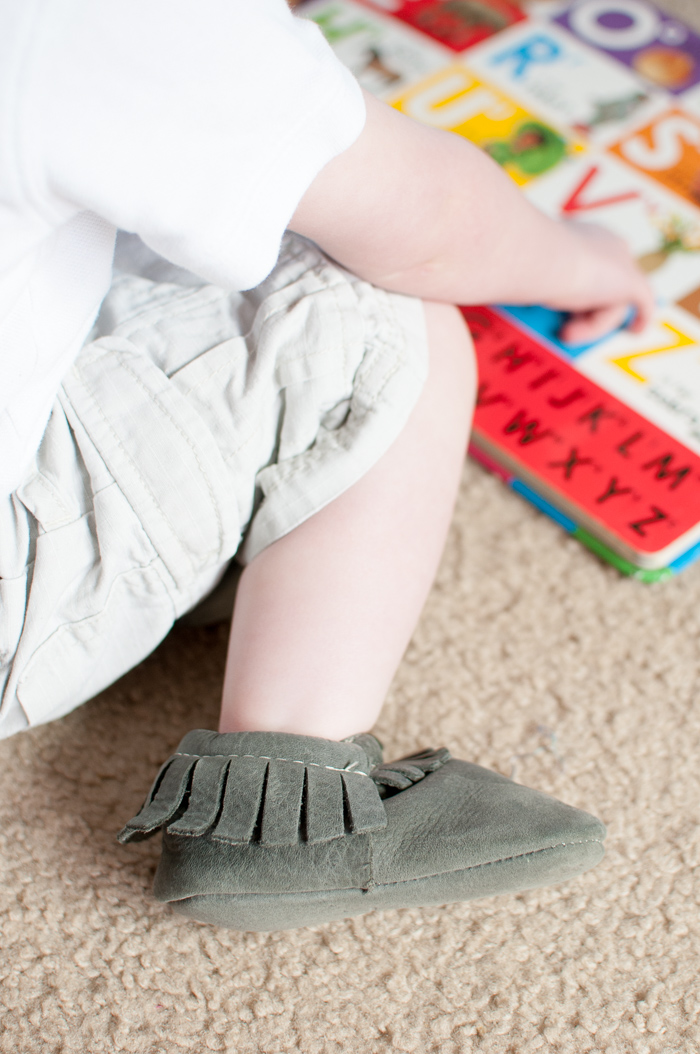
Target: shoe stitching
{"x":267,"y":757}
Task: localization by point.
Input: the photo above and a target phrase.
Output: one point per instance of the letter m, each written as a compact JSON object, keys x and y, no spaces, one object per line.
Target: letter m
{"x":664,"y":470}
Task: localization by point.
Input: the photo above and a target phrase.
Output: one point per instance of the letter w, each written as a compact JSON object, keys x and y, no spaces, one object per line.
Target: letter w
{"x":528,"y":429}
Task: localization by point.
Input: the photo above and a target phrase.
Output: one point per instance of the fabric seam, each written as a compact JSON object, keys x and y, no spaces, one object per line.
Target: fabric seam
{"x":267,"y":757}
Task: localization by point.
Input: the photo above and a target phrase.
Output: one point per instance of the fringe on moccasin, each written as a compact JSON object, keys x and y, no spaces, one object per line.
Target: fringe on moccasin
{"x":240,"y":797}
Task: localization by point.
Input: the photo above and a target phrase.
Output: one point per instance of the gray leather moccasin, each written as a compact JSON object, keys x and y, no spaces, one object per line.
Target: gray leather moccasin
{"x":269,"y":831}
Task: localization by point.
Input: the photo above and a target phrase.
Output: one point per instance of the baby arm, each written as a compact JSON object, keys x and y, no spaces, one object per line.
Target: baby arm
{"x":421,"y":211}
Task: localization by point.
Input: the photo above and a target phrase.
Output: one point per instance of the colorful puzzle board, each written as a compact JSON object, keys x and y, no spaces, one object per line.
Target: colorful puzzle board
{"x":593,"y":108}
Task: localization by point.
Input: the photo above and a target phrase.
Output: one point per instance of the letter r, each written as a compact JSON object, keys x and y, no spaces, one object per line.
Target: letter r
{"x":534,"y":50}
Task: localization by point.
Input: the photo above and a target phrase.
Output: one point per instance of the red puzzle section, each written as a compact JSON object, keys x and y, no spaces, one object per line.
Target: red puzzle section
{"x":457,"y":23}
{"x":607,"y":460}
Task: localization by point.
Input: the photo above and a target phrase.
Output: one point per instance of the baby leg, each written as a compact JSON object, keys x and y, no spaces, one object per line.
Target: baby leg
{"x":324,"y":615}
{"x":289,"y":815}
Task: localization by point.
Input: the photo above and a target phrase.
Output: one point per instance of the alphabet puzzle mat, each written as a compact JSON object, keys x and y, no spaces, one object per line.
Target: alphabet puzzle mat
{"x":593,"y":108}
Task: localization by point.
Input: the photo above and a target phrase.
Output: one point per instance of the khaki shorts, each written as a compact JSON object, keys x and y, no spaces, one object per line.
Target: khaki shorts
{"x":195,"y":425}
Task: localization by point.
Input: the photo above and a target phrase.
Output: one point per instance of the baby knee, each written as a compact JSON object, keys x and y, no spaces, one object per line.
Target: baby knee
{"x":452,"y":359}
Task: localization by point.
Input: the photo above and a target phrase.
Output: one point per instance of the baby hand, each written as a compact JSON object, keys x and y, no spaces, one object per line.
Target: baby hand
{"x":608,"y":289}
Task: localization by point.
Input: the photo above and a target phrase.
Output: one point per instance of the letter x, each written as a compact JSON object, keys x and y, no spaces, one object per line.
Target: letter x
{"x":572,"y":462}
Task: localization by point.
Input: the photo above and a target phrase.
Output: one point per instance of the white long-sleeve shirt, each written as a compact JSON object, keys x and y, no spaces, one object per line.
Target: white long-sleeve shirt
{"x":197,"y":124}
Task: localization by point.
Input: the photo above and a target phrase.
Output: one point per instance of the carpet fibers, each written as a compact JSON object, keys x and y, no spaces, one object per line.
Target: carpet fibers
{"x":532,"y":658}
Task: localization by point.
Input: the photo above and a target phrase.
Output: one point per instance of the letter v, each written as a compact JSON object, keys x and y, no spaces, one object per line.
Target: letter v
{"x":576,"y":202}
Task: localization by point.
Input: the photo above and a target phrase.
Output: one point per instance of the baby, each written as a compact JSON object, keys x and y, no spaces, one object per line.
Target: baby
{"x":304,"y":409}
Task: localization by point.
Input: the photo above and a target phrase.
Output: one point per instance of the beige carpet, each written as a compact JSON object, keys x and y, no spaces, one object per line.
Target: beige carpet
{"x":532,"y":658}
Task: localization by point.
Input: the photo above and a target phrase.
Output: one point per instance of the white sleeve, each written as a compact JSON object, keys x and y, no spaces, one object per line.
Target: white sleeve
{"x":197,"y":124}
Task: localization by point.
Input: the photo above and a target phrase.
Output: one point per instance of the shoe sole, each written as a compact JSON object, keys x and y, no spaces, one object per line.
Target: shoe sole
{"x":266,"y":912}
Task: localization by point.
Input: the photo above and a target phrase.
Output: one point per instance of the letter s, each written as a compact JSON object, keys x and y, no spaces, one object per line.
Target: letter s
{"x":666,"y":149}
